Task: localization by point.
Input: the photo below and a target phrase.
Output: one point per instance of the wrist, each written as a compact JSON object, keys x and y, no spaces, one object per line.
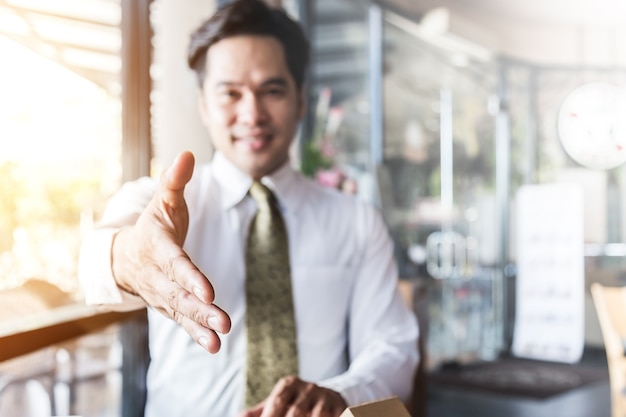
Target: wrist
{"x":120,"y":260}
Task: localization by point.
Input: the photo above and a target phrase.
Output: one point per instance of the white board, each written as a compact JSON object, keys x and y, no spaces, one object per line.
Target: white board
{"x":550,"y":303}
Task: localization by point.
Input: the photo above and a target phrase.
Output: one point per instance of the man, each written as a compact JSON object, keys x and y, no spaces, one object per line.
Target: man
{"x":179,"y":246}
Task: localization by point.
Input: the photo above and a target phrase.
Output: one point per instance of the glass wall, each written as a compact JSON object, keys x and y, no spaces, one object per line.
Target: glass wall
{"x":435,"y":176}
{"x":335,"y":137}
{"x":463,"y":129}
{"x":437,"y":184}
{"x":537,"y":94}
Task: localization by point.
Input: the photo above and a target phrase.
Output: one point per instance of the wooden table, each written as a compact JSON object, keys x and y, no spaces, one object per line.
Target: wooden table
{"x":30,"y":332}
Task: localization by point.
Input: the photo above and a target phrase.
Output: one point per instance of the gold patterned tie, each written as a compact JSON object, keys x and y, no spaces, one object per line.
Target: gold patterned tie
{"x":272,"y":350}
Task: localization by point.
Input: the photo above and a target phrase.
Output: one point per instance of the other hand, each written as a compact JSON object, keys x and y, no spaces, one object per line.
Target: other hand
{"x":293,"y":397}
{"x":148,"y":260}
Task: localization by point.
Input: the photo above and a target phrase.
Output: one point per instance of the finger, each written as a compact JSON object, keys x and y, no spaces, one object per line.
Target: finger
{"x":281,"y":397}
{"x":176,"y":265}
{"x":179,"y":268}
{"x":304,"y":402}
{"x":330,"y":404}
{"x":206,"y":338}
{"x":321,"y":409}
{"x":175,"y":178}
{"x":201,"y":321}
{"x":182,"y":304}
{"x":181,"y":279}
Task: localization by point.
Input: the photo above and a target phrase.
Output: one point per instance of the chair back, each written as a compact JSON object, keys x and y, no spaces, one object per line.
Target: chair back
{"x":610,"y":303}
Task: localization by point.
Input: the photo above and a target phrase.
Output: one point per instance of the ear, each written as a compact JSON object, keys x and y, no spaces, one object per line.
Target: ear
{"x":302,"y":102}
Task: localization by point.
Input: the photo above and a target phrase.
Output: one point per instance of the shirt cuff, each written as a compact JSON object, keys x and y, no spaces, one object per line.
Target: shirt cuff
{"x":95,"y":274}
{"x":344,"y":384}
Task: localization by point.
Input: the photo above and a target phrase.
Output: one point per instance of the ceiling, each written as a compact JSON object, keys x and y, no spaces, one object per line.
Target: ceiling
{"x":82,"y":35}
{"x":85,"y":36}
{"x":544,"y":12}
{"x":546,"y":32}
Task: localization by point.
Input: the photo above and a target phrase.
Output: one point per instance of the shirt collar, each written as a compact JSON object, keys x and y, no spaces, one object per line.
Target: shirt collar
{"x":235,"y":184}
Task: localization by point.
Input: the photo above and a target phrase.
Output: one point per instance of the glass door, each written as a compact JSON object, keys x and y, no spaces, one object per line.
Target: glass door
{"x":437,"y":183}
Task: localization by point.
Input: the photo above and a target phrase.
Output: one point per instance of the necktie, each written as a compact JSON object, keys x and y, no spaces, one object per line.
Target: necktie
{"x":272,"y":350}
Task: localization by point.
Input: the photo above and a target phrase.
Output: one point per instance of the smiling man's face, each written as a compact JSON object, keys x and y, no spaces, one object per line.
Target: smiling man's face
{"x":250,"y":102}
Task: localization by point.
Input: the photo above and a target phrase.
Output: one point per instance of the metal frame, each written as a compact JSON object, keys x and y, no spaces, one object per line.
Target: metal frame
{"x":375,"y":83}
{"x":136,"y":158}
{"x":136,"y":88}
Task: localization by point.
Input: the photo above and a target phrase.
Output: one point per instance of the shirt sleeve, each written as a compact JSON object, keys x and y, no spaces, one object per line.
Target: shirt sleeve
{"x":383,"y":331}
{"x":94,"y":265}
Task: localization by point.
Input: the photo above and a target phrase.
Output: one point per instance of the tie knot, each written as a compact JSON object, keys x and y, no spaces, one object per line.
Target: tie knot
{"x":261,"y":194}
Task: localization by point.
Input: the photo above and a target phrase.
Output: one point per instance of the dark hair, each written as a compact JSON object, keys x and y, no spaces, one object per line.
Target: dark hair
{"x":250,"y":17}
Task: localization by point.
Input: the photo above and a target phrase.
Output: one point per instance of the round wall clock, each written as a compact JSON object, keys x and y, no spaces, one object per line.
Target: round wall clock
{"x":592,"y":125}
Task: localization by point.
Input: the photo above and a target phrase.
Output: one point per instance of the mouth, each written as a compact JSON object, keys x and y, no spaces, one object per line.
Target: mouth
{"x":253,"y":140}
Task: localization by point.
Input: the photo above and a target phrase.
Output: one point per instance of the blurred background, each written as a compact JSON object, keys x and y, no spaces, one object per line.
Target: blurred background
{"x":448,"y":115}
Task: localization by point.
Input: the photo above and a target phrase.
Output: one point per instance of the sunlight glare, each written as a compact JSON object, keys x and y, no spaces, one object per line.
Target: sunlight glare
{"x":60,"y":144}
{"x":43,"y":116}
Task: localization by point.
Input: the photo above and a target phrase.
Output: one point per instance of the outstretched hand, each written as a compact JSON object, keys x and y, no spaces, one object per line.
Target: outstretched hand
{"x":148,"y":260}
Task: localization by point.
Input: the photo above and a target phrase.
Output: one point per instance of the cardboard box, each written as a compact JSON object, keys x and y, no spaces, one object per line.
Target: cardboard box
{"x":389,"y":407}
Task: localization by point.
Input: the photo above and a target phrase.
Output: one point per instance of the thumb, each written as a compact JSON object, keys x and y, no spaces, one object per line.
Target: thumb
{"x":175,"y":178}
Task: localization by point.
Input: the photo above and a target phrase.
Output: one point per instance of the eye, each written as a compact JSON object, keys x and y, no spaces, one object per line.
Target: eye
{"x":229,"y":94}
{"x":274,"y":92}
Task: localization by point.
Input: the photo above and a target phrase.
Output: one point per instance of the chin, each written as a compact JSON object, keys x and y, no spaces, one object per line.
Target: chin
{"x":251,"y":165}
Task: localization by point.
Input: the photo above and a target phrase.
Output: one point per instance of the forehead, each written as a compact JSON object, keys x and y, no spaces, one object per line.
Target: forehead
{"x":246,"y":58}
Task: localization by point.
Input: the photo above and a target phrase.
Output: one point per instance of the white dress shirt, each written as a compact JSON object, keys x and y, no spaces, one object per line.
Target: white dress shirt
{"x":355,"y":334}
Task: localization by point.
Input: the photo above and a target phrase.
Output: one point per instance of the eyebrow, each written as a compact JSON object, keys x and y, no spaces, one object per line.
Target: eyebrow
{"x":273,"y":81}
{"x":279,"y":81}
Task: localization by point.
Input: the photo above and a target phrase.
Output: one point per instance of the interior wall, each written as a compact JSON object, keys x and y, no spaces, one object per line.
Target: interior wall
{"x":176,"y":122}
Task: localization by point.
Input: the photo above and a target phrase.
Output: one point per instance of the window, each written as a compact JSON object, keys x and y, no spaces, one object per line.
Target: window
{"x":60,"y":132}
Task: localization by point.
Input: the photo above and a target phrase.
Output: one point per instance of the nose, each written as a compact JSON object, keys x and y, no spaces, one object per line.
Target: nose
{"x":251,"y":110}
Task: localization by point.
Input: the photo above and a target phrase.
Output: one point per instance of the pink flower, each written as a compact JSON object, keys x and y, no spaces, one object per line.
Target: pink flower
{"x":330,"y":178}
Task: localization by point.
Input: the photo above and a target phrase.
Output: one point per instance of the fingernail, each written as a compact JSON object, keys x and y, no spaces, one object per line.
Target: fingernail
{"x":199,"y":293}
{"x":214,"y":322}
{"x":204,"y":342}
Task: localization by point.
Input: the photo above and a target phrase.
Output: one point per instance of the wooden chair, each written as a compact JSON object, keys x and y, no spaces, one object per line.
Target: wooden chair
{"x":610,"y":303}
